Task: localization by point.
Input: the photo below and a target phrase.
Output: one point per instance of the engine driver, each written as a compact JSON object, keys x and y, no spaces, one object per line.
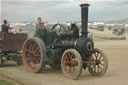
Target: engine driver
{"x":40,"y":28}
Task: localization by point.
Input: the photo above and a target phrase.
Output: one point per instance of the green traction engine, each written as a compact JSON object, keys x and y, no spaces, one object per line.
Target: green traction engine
{"x":66,"y":49}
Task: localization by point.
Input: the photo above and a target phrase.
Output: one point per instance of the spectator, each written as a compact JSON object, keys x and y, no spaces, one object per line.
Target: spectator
{"x":5,"y":26}
{"x":12,"y":30}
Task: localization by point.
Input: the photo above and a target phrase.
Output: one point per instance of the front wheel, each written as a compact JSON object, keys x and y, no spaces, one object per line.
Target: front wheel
{"x":101,"y":63}
{"x":71,"y":64}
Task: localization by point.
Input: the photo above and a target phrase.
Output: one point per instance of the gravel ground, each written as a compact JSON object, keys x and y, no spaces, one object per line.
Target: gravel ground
{"x":117,"y":73}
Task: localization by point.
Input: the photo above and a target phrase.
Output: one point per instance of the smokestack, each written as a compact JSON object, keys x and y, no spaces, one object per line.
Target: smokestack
{"x":84,"y":19}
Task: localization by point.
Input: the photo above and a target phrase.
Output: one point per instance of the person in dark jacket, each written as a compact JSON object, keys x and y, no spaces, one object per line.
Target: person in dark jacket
{"x":40,"y":28}
{"x":5,"y":27}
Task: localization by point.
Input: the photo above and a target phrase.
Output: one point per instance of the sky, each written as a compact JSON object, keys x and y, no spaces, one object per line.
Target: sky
{"x":62,"y":10}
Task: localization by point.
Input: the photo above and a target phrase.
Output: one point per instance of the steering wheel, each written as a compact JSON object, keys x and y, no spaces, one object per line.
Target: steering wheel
{"x":59,"y":28}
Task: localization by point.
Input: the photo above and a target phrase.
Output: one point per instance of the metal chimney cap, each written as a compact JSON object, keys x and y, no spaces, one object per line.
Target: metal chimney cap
{"x":84,"y":5}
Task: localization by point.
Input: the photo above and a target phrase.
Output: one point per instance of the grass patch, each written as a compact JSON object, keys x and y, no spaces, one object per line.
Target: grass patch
{"x":4,"y":82}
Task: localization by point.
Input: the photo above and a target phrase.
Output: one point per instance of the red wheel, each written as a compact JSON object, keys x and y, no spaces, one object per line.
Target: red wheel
{"x":71,"y":64}
{"x":101,"y":63}
{"x":33,"y":54}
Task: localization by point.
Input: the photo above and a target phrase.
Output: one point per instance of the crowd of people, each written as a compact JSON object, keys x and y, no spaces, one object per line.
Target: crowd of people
{"x":6,"y":28}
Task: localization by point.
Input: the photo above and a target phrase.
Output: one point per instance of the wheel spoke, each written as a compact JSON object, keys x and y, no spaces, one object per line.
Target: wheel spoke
{"x":67,"y":59}
{"x":101,"y":64}
{"x":95,"y":69}
{"x":28,"y":50}
{"x":93,"y":66}
{"x":28,"y":54}
{"x":70,"y":59}
{"x":37,"y":55}
{"x":33,"y":49}
{"x":74,"y":68}
{"x":28,"y":59}
{"x":30,"y":46}
{"x":100,"y":68}
{"x":97,"y":56}
{"x":33,"y":59}
{"x":36,"y":60}
{"x":36,"y":50}
{"x":100,"y":56}
{"x":102,"y":60}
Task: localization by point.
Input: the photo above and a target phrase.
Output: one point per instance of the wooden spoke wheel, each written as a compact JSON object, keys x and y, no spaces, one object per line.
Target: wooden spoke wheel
{"x":101,"y":63}
{"x":71,"y":64}
{"x":33,"y":54}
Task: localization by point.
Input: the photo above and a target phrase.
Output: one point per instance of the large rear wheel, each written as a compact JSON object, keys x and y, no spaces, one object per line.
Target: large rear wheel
{"x":101,"y":63}
{"x":71,"y":64}
{"x":33,"y":54}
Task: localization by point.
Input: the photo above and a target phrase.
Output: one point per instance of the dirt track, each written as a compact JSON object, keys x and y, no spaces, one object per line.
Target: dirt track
{"x":117,"y":73}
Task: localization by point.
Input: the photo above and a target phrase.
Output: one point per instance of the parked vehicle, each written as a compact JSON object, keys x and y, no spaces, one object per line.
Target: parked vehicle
{"x":11,"y":46}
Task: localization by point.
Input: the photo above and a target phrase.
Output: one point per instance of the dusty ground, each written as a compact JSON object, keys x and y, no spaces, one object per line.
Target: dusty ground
{"x":117,"y":73}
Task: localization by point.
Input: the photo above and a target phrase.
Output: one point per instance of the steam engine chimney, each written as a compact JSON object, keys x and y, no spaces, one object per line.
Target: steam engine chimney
{"x":84,"y":19}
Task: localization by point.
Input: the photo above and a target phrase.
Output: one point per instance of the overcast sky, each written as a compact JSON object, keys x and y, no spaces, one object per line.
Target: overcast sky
{"x":62,"y":10}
